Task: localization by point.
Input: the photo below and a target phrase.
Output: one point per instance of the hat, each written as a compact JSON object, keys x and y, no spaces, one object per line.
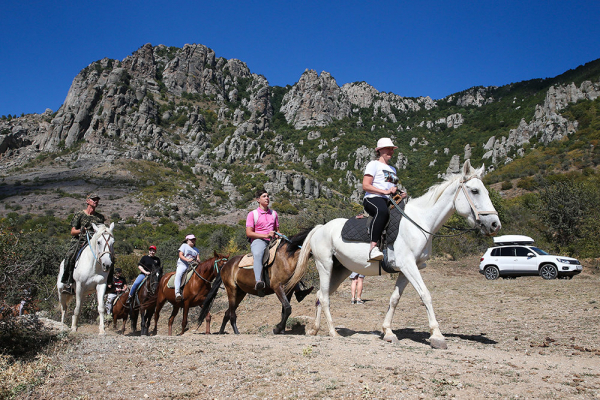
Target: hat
{"x":93,"y":196}
{"x":190,"y":237}
{"x":118,"y":270}
{"x":385,"y":142}
{"x":153,"y":247}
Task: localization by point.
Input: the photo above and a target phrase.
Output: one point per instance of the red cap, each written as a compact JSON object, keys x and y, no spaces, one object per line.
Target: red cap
{"x":152,"y":248}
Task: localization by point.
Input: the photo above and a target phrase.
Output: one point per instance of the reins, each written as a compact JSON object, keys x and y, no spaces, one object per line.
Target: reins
{"x":215,"y":266}
{"x":104,"y":251}
{"x":476,"y":212}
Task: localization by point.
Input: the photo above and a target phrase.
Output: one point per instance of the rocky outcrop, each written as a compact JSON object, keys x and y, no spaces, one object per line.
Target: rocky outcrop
{"x":547,"y":124}
{"x":476,"y":96}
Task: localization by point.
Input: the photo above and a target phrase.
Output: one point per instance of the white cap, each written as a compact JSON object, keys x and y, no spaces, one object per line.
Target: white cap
{"x":385,"y":142}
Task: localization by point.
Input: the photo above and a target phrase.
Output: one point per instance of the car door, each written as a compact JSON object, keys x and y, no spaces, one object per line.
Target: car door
{"x":507,"y":260}
{"x":526,"y":261}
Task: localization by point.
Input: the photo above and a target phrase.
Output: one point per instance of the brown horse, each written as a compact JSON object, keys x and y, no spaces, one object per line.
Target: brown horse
{"x":194,"y":292}
{"x":120,"y":310}
{"x":289,"y":266}
{"x":145,"y":300}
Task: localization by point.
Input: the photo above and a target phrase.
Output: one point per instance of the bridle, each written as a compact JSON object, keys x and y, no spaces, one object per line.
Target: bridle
{"x":108,"y":249}
{"x":474,"y":209}
{"x":215,"y":267}
{"x":461,"y":187}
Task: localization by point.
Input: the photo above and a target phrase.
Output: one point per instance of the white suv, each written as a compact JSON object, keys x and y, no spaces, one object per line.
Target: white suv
{"x":515,"y":255}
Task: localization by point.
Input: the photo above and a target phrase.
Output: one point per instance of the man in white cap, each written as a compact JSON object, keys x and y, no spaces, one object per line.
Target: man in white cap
{"x":187,"y":253}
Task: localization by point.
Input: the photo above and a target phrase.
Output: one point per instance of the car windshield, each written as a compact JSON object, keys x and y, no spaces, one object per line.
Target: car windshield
{"x":539,"y":251}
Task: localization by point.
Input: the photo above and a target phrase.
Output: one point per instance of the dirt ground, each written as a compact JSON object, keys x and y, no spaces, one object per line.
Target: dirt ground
{"x":515,"y":338}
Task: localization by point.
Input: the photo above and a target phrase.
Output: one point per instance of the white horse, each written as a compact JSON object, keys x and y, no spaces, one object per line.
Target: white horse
{"x":335,"y":258}
{"x":91,"y":272}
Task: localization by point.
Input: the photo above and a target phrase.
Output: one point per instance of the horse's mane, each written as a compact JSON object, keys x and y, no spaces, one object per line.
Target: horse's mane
{"x":434,"y":193}
{"x":296,"y":242}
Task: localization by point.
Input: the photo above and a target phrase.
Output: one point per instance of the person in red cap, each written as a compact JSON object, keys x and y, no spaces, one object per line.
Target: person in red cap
{"x":146,"y":265}
{"x":379,"y":182}
{"x":187,"y":253}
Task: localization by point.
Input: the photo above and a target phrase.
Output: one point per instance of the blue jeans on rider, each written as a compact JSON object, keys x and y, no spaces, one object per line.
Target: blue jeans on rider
{"x":135,"y":285}
{"x":257,"y":248}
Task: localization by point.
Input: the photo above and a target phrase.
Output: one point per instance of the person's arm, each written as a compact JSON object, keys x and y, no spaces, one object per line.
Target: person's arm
{"x":255,"y":235}
{"x":368,"y":187}
{"x":184,"y":258}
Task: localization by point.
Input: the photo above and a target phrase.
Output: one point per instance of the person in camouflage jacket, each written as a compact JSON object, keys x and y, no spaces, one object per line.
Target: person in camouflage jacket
{"x":81,"y":223}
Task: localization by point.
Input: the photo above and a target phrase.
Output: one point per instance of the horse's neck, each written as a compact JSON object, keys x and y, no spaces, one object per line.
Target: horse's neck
{"x":432,"y":214}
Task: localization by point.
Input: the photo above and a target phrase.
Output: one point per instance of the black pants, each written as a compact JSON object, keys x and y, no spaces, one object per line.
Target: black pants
{"x":377,"y":207}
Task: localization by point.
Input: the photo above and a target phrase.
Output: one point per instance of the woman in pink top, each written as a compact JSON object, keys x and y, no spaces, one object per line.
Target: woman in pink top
{"x":261,"y":225}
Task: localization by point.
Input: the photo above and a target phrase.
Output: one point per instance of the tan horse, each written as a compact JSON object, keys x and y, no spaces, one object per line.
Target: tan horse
{"x":120,"y":310}
{"x":194,"y":292}
{"x":289,"y":266}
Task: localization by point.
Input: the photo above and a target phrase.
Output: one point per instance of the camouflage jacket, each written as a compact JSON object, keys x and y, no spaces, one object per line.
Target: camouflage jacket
{"x":82,"y":220}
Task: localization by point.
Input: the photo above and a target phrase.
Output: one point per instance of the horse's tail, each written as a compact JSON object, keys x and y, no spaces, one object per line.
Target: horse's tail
{"x":302,"y":264}
{"x":210,"y":297}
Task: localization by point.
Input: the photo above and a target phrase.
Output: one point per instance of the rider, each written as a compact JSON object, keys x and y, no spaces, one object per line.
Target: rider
{"x":120,"y":285}
{"x":187,"y":253}
{"x":81,"y":223}
{"x":260,"y":230}
{"x":379,"y":181}
{"x":146,"y":265}
{"x":261,"y":226}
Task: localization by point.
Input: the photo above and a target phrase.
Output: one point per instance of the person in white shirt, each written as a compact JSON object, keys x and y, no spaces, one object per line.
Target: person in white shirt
{"x":187,"y":253}
{"x":379,"y":182}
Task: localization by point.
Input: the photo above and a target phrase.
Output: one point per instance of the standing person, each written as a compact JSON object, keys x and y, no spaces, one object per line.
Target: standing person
{"x":261,"y":225}
{"x":356,"y":288}
{"x":146,"y":265}
{"x":379,"y":181}
{"x":120,"y":285}
{"x":80,"y":224}
{"x":187,"y":253}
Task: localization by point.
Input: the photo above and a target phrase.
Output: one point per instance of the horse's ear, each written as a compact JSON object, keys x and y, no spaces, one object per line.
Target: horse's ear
{"x":216,"y":255}
{"x":112,"y":226}
{"x":95,"y":227}
{"x":467,"y":168}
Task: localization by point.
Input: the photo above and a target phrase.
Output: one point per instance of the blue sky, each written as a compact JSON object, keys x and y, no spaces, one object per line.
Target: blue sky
{"x":413,"y":49}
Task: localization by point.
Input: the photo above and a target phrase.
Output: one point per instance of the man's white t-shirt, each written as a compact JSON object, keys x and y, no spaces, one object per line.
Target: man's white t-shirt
{"x":384,"y":177}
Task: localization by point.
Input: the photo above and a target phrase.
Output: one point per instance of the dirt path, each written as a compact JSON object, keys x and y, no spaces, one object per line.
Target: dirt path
{"x":521,"y":338}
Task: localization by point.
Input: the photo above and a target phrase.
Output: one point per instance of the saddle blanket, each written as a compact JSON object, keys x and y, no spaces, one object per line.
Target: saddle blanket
{"x":357,"y":228}
{"x":184,"y":279}
{"x":247,"y":261}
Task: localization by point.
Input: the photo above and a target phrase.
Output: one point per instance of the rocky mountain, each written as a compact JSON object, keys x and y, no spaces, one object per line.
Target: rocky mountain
{"x":208,"y":125}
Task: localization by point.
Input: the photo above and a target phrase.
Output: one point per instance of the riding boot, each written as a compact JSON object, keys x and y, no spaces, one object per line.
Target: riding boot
{"x":301,"y":294}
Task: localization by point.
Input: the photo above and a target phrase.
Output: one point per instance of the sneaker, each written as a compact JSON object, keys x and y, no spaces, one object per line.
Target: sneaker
{"x":359,"y":301}
{"x":178,"y":297}
{"x":128,"y":302}
{"x":260,"y":288}
{"x":352,"y":301}
{"x":375,"y":254}
{"x":301,"y":294}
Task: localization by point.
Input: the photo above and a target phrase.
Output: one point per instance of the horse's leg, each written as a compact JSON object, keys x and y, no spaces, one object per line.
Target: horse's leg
{"x":330,"y":278}
{"x":143,"y":331}
{"x":401,"y":283}
{"x":226,"y":319}
{"x":78,"y":296}
{"x":160,"y":302}
{"x":172,"y":317}
{"x":186,"y":308}
{"x":207,"y":321}
{"x":412,"y":273}
{"x":100,"y":289}
{"x":286,"y":310}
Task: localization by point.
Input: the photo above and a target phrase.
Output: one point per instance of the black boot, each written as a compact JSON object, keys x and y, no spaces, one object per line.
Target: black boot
{"x":301,"y":294}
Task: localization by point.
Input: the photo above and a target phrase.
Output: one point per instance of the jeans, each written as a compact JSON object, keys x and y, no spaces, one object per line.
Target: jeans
{"x":135,"y":285}
{"x":258,"y":247}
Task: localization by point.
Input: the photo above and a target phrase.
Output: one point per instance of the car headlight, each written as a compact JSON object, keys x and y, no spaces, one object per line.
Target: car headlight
{"x":562,"y":260}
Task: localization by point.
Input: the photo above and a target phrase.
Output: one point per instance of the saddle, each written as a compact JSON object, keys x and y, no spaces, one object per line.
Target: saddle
{"x":184,"y":279}
{"x":357,"y":229}
{"x":247,"y":261}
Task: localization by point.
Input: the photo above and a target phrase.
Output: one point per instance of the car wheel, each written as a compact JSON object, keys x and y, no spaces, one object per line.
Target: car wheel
{"x":548,"y":271}
{"x":491,"y":272}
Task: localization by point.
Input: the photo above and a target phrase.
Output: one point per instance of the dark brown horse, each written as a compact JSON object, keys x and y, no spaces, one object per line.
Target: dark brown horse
{"x":146,"y":299}
{"x":120,"y":310}
{"x":289,"y":266}
{"x":194,"y":292}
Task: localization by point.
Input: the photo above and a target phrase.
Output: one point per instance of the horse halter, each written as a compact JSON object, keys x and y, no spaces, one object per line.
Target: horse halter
{"x":106,"y":236}
{"x":215,"y":266}
{"x":476,"y":212}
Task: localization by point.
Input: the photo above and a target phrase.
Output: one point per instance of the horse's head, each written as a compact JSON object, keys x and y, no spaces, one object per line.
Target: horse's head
{"x":220,"y":260}
{"x":472,"y":201}
{"x":103,"y":240}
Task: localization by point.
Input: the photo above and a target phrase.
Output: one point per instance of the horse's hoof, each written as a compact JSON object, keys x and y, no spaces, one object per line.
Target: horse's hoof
{"x":438,"y":343}
{"x":391,"y":339}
